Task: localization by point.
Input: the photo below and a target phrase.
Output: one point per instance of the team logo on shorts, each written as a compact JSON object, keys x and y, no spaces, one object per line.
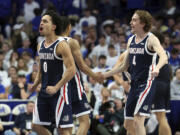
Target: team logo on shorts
{"x":65,"y":118}
{"x":86,"y":105}
{"x":145,"y":107}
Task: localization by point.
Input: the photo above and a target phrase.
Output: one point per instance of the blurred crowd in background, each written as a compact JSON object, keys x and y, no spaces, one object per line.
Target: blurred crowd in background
{"x":102,"y":29}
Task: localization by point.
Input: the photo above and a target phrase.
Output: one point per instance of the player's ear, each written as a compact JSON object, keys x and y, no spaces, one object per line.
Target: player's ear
{"x":54,"y":27}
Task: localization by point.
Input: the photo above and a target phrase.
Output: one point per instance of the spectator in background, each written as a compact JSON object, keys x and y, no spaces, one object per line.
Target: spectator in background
{"x":36,"y":21}
{"x":1,"y":129}
{"x":92,"y":34}
{"x":7,"y":49}
{"x":100,"y":49}
{"x":1,"y":39}
{"x":12,"y":88}
{"x":122,"y":39}
{"x":175,"y":85}
{"x":18,"y":35}
{"x":84,"y":30}
{"x":159,"y":23}
{"x":13,"y":61}
{"x":29,"y":7}
{"x":88,"y":92}
{"x":25,"y":47}
{"x":106,"y":9}
{"x":22,"y":125}
{"x":90,"y":19}
{"x":5,"y":11}
{"x":177,"y":133}
{"x":3,"y":75}
{"x":18,"y":88}
{"x":27,"y":57}
{"x":2,"y":91}
{"x":30,"y":82}
{"x":123,"y":47}
{"x":170,"y":8}
{"x":115,"y":41}
{"x":107,"y":28}
{"x":22,"y":67}
{"x":174,"y":59}
{"x":171,"y":23}
{"x":113,"y":119}
{"x":79,"y":5}
{"x":99,"y":110}
{"x":167,"y":43}
{"x":87,"y":47}
{"x":176,"y":45}
{"x":8,"y":28}
{"x":77,"y":35}
{"x":112,"y":58}
{"x":11,"y":71}
{"x":102,"y":67}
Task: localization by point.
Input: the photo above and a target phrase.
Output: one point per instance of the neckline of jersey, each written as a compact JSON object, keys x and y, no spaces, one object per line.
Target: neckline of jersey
{"x":140,"y":40}
{"x":50,"y":44}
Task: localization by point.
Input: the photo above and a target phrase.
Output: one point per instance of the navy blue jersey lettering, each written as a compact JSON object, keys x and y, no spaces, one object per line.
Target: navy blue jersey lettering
{"x":141,"y":60}
{"x":52,"y":67}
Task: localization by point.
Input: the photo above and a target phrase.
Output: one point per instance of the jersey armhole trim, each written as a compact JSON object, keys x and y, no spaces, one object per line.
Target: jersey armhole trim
{"x":57,"y":57}
{"x":146,"y":48}
{"x":40,"y":46}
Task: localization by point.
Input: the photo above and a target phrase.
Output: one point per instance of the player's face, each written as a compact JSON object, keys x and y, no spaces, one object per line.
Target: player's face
{"x":135,"y":23}
{"x":46,"y":26}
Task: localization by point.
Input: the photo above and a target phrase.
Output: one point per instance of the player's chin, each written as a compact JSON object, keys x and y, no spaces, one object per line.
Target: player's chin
{"x":132,"y":31}
{"x":41,"y":33}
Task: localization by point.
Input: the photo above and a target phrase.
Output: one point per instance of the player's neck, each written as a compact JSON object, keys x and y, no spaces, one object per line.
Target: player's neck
{"x":141,"y":35}
{"x":50,"y":38}
{"x":64,"y":34}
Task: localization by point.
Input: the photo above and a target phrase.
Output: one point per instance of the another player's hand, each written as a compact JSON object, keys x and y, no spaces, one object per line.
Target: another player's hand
{"x":51,"y":90}
{"x":155,"y":72}
{"x":32,"y":87}
{"x":38,"y":89}
{"x":105,"y":75}
{"x":99,"y":77}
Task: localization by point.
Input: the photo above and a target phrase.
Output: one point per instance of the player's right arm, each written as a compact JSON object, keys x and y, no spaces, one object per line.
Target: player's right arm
{"x":75,"y":49}
{"x":64,"y":50}
{"x":121,"y":66}
{"x":120,"y":60}
{"x":118,"y":77}
{"x":38,"y":75}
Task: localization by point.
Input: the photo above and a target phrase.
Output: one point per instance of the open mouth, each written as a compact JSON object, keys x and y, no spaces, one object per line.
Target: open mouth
{"x":40,"y":29}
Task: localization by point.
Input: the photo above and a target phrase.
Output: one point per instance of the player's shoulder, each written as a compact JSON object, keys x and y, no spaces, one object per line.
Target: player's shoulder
{"x":130,"y":38}
{"x":40,"y":44}
{"x":152,"y":36}
{"x":73,"y":42}
{"x":152,"y":39}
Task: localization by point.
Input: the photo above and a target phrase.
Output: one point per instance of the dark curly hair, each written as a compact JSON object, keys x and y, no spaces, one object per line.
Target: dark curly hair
{"x":55,"y":18}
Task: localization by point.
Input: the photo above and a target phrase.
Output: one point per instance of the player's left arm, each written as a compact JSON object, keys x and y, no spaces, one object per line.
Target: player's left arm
{"x":154,"y":45}
{"x":63,"y":49}
{"x":75,"y":49}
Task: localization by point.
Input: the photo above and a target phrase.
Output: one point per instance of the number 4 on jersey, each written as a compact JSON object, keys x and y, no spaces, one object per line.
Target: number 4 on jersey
{"x":134,"y":60}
